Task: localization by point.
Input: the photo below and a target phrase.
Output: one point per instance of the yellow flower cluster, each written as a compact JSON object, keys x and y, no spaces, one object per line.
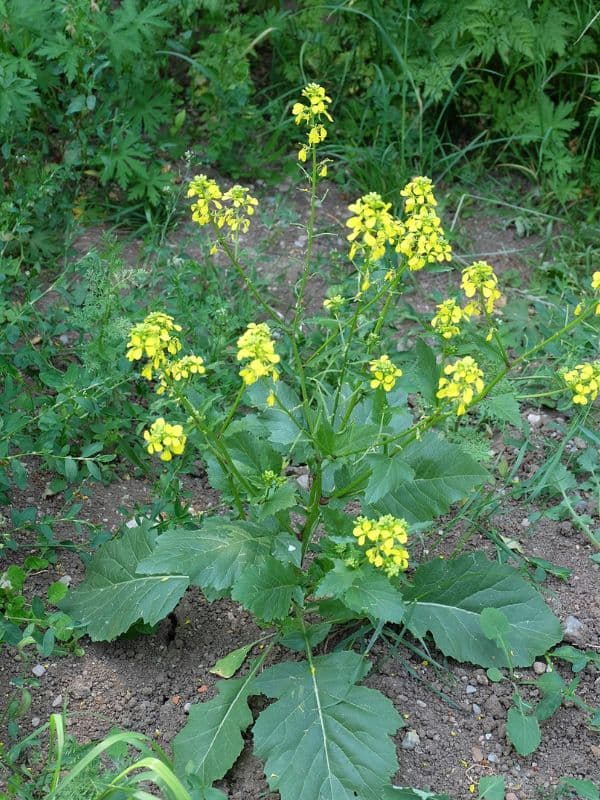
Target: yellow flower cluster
{"x":387,"y":535}
{"x":181,"y":370}
{"x":334,"y":304}
{"x":480,"y":282}
{"x":311,"y":114}
{"x":384,"y":373}
{"x":446,"y":321}
{"x":153,"y":339}
{"x":596,"y":288}
{"x":231,"y":209}
{"x":418,"y":192}
{"x":257,"y":346}
{"x":166,"y":439}
{"x":419,"y":238}
{"x":584,"y":382}
{"x":464,"y":383}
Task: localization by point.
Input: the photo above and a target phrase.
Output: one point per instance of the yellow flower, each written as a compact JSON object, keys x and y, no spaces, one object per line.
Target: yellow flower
{"x":334,"y":304}
{"x":386,"y":535}
{"x":181,"y":370}
{"x":422,"y":239}
{"x":418,"y":192}
{"x":152,"y":339}
{"x":231,"y":209}
{"x":372,"y":227}
{"x":385,"y":373}
{"x":596,"y":281}
{"x":480,"y":281}
{"x":465,"y":383}
{"x":312,"y":114}
{"x":584,"y":382}
{"x":166,"y":439}
{"x":257,"y":346}
{"x":209,"y":196}
{"x":445,"y":322}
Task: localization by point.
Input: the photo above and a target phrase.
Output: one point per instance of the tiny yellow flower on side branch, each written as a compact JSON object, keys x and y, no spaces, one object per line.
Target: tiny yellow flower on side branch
{"x":480,"y":282}
{"x":334,"y":304}
{"x":257,"y":346}
{"x":386,"y":535}
{"x":446,"y":321}
{"x":384,"y":373}
{"x":165,"y":439}
{"x":584,"y":382}
{"x":181,"y":370}
{"x":596,"y":288}
{"x":464,"y":383}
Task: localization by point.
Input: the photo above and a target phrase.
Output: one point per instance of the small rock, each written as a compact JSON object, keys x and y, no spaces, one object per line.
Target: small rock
{"x":539,"y":667}
{"x":38,"y":670}
{"x":470,"y":689}
{"x":595,"y":750}
{"x":492,"y":758}
{"x":35,"y":721}
{"x":511,"y":796}
{"x":186,"y":708}
{"x":476,"y":708}
{"x":573,"y":629}
{"x":482,"y":680}
{"x":57,"y":701}
{"x":303,"y":481}
{"x":525,"y":523}
{"x":421,"y":704}
{"x":534,"y":419}
{"x":66,"y":579}
{"x":476,"y":755}
{"x":411,"y":740}
{"x":579,"y":443}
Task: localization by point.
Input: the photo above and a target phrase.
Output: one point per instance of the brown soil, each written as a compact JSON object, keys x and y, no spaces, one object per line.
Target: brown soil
{"x":144,"y":684}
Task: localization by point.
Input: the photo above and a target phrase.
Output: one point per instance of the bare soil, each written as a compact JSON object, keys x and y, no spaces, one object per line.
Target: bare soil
{"x":144,"y":683}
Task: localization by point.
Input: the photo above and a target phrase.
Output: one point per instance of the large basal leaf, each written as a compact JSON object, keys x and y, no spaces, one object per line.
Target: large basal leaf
{"x":443,"y":475}
{"x":267,"y":589}
{"x":365,"y":590}
{"x":213,"y":556}
{"x":449,"y":597}
{"x":113,"y":596}
{"x":325,"y":738}
{"x":211,"y":740}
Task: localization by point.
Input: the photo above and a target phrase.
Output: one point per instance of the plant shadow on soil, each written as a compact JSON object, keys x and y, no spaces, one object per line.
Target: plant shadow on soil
{"x":144,"y":683}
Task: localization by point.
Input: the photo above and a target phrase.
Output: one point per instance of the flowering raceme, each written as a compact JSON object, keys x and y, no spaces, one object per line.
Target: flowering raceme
{"x":387,"y":536}
{"x":584,"y":382}
{"x":153,"y":339}
{"x":231,"y":209}
{"x":181,"y":370}
{"x":311,"y":115}
{"x":464,"y":383}
{"x":448,"y":316}
{"x":418,"y":192}
{"x":384,"y":373}
{"x":166,"y":439}
{"x":372,"y":227}
{"x":480,"y":282}
{"x":257,"y":346}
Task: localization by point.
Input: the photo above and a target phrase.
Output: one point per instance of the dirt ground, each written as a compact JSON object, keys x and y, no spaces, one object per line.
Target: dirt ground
{"x":145,"y":683}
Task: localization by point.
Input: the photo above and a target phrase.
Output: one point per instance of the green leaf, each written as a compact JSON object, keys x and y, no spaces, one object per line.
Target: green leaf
{"x":282,"y":498}
{"x":581,"y":788}
{"x":443,"y":475}
{"x":522,"y":731}
{"x":494,"y":675}
{"x":450,"y":596}
{"x":56,"y":592}
{"x":113,"y":596}
{"x":365,"y":590}
{"x":503,"y":408}
{"x":491,"y":787}
{"x":325,"y":737}
{"x":211,"y":740}
{"x":213,"y":556}
{"x":427,"y":372}
{"x":495,"y":625}
{"x":267,"y":589}
{"x":388,"y":473}
{"x":227,"y":666}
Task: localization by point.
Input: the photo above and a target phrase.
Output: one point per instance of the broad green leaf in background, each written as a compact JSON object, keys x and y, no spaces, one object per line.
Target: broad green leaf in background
{"x":211,"y":740}
{"x":267,"y":589}
{"x":579,"y":788}
{"x":491,"y":787}
{"x":450,"y":596}
{"x":113,"y":595}
{"x":365,"y":590}
{"x":227,"y":666}
{"x":443,"y":475}
{"x":213,"y":556}
{"x":325,"y":737}
{"x":388,"y":475}
{"x":522,"y":731}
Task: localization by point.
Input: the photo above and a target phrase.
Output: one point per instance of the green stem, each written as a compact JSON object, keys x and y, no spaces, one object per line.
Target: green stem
{"x":313,"y":509}
{"x":234,"y":408}
{"x":309,"y":244}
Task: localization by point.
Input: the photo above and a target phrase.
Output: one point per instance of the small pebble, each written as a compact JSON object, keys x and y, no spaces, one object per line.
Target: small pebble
{"x":492,"y":758}
{"x":595,"y":750}
{"x":186,"y":707}
{"x":511,"y":796}
{"x":471,"y":689}
{"x":35,"y":721}
{"x":525,"y":523}
{"x":534,"y":419}
{"x":476,"y":754}
{"x":38,"y":670}
{"x":66,"y":579}
{"x":421,"y":704}
{"x":411,"y":740}
{"x":539,"y":667}
{"x":573,"y":629}
{"x":57,"y":701}
{"x":303,"y":481}
{"x":476,"y":708}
